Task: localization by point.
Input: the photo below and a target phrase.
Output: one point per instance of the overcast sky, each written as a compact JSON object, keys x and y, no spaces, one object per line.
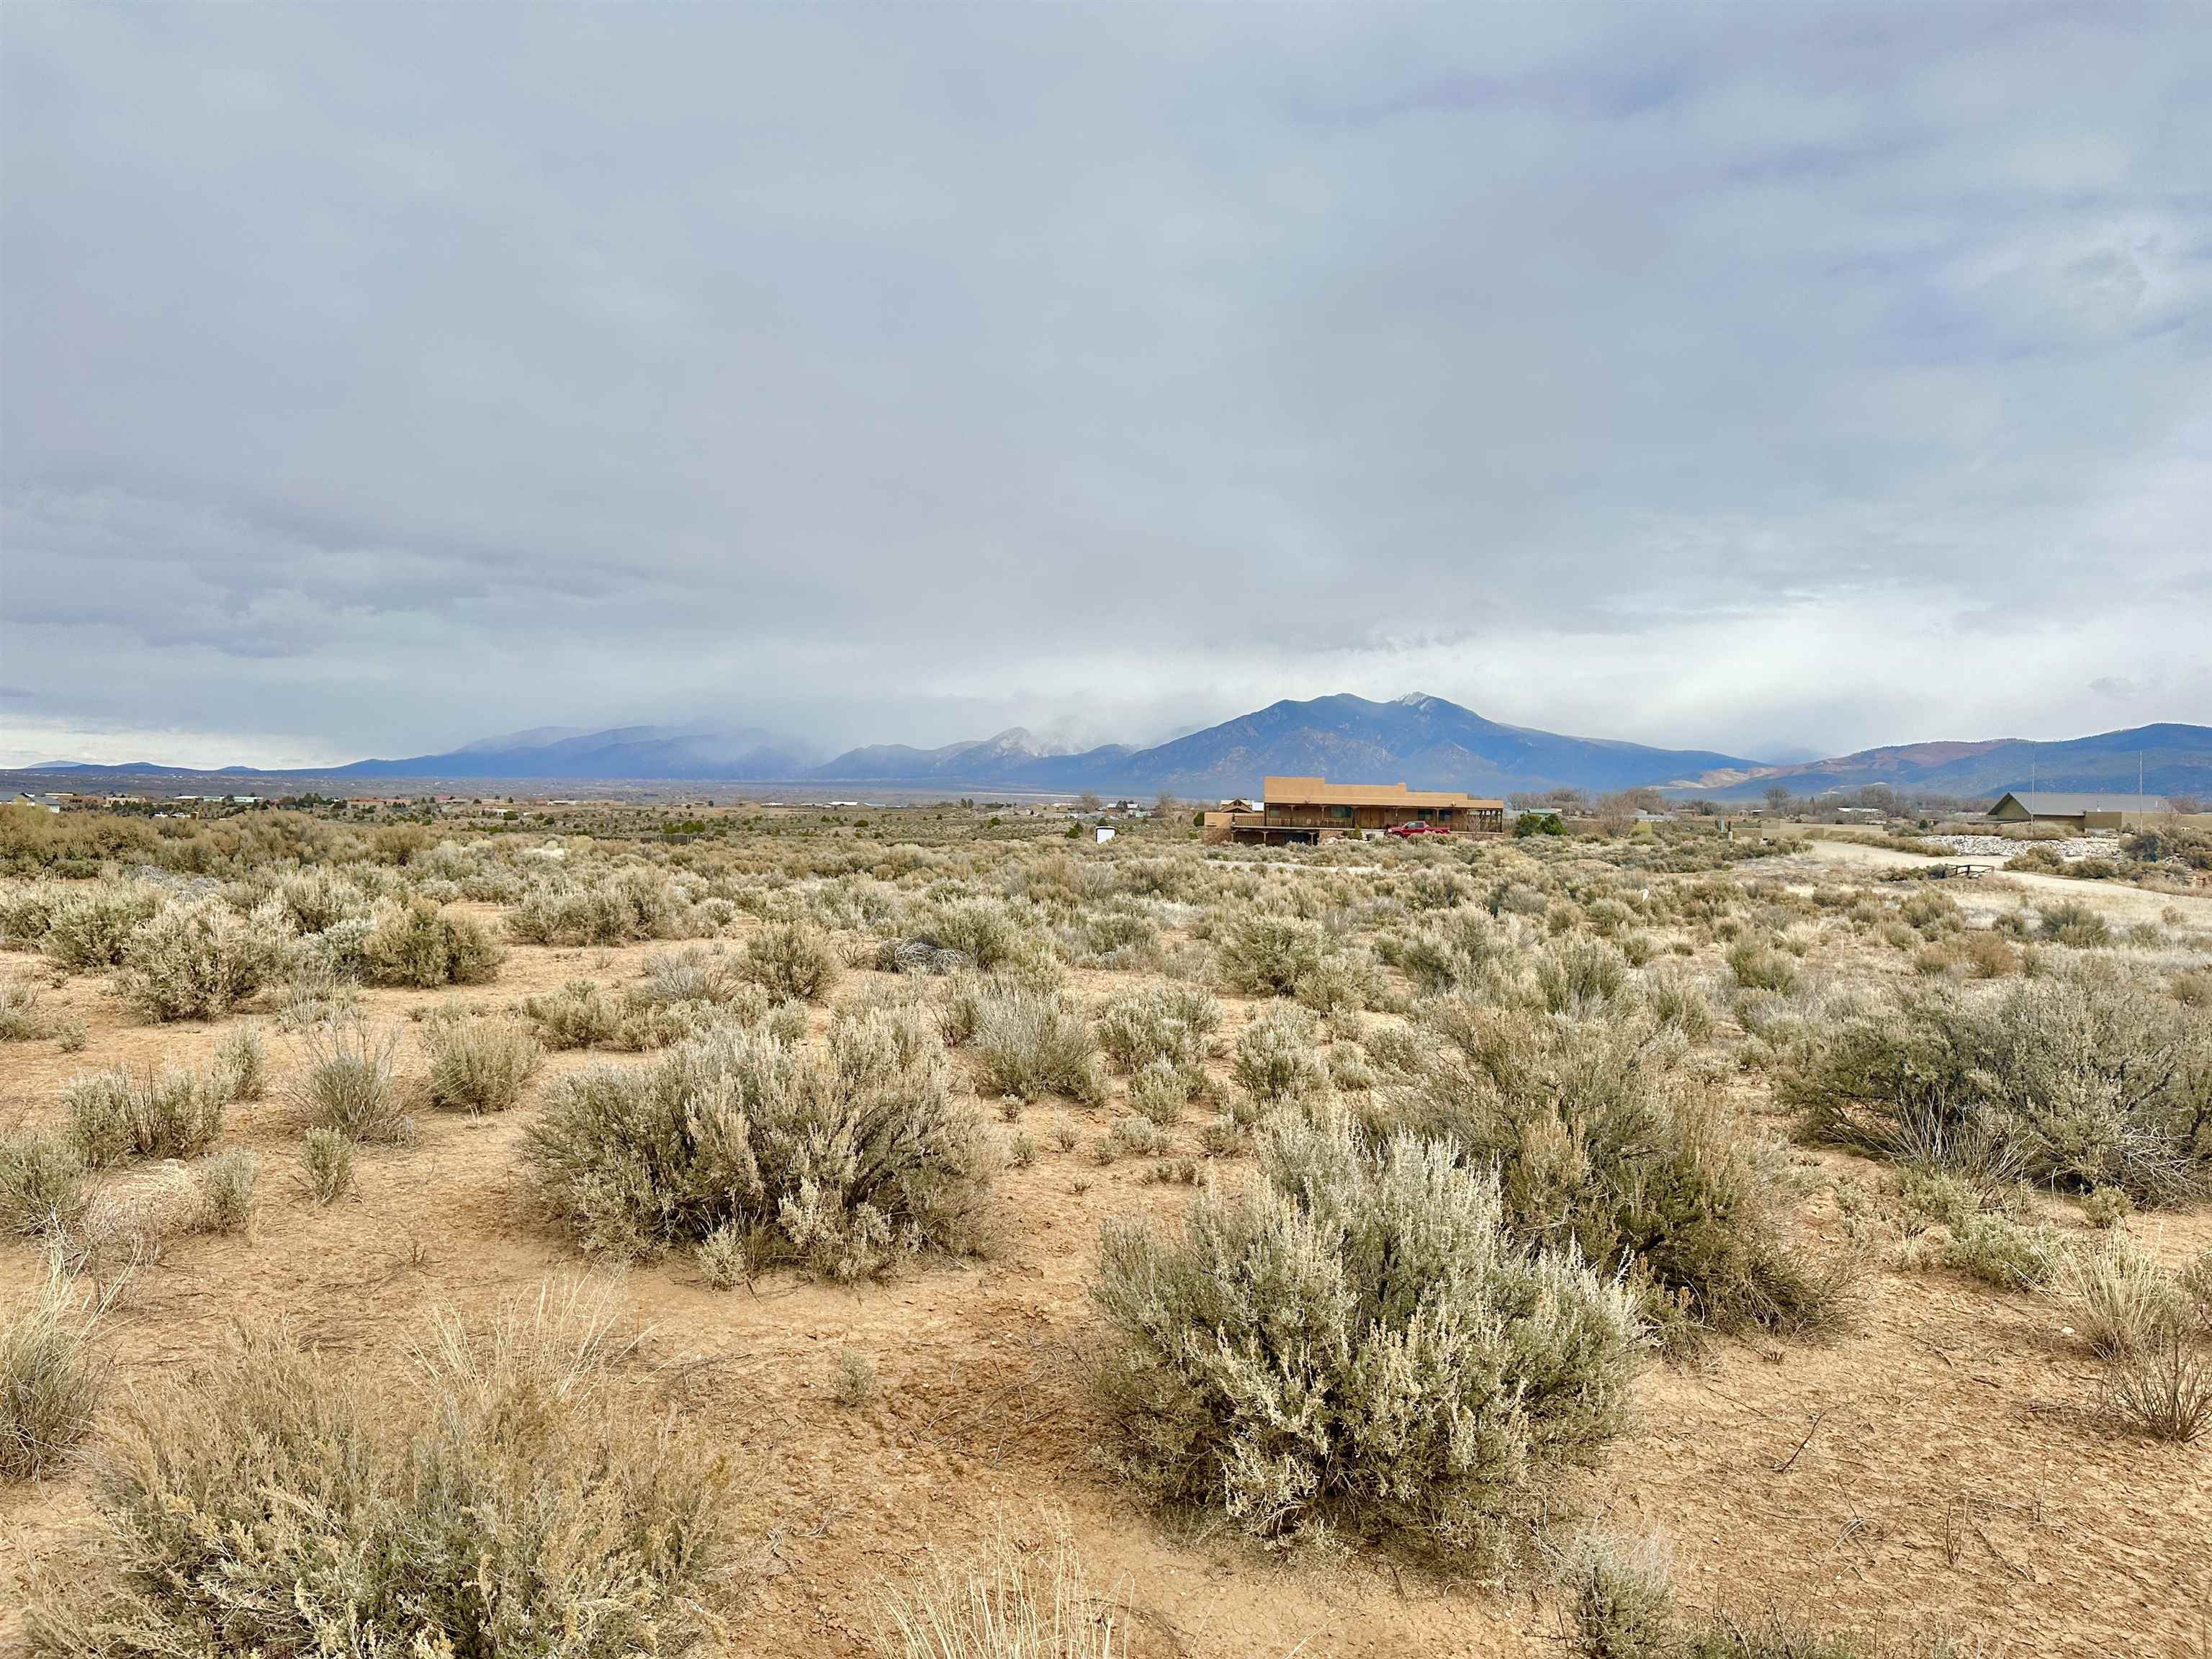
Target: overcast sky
{"x":1768,"y":378}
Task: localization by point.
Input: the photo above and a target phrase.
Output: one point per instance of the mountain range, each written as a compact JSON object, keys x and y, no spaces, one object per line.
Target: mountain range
{"x":1424,"y":741}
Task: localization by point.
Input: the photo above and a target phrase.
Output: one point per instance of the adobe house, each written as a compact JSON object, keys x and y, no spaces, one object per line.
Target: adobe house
{"x":1308,"y":810}
{"x":2079,"y":812}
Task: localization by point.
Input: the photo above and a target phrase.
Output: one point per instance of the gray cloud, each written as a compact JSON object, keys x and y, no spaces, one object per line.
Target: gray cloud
{"x":376,"y":378}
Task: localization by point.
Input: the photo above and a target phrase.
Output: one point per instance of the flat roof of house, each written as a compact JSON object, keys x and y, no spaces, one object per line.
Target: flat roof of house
{"x":1319,"y":792}
{"x":2058,"y":804}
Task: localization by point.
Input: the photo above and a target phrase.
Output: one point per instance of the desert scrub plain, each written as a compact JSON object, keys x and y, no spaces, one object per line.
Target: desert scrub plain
{"x":918,"y":1233}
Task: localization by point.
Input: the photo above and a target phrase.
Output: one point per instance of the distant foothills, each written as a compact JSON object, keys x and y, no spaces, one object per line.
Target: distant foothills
{"x":1424,"y":741}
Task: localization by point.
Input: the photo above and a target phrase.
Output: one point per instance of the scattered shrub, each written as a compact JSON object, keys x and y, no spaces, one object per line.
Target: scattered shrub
{"x":90,"y":927}
{"x":41,"y":1185}
{"x":1358,"y":1335}
{"x":1035,"y":1042}
{"x":1174,"y":1023}
{"x":1264,"y":955}
{"x":579,"y":1016}
{"x":1275,"y":1063}
{"x":479,"y":1065}
{"x":1621,"y":1598}
{"x":417,"y":942}
{"x":49,"y":1379}
{"x":2069,"y":921}
{"x":347,"y":1084}
{"x":1603,"y":1136}
{"x":328,"y":1165}
{"x":2087,"y":1078}
{"x":1760,"y":966}
{"x":856,"y":1379}
{"x":791,"y":960}
{"x":20,"y":1019}
{"x":1579,"y":975}
{"x":198,"y":958}
{"x":848,"y":1154}
{"x":241,"y":1064}
{"x":114,"y":1116}
{"x":2008,"y":1253}
{"x":512,"y":1503}
{"x":228,"y":1201}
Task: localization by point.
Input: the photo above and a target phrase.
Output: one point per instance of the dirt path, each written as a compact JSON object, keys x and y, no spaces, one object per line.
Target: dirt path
{"x":2115,"y":902}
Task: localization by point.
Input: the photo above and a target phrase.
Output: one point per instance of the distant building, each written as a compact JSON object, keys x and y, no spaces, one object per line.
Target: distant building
{"x":2082,"y":812}
{"x":1306,"y":809}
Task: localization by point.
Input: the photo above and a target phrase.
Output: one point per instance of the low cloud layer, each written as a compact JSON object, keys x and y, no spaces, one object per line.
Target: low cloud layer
{"x":1766,"y":379}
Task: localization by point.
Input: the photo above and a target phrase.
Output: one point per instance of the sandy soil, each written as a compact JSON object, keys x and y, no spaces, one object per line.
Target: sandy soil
{"x":1941,"y":1467}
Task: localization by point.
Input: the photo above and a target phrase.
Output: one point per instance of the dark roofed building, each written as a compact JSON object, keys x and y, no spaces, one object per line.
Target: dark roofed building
{"x":2083,"y":812}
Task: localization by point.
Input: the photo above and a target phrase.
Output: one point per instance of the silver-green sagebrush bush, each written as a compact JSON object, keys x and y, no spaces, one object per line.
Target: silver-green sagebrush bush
{"x":513,"y":1502}
{"x":1032,"y":1041}
{"x":417,"y":942}
{"x":1359,"y":1339}
{"x":198,"y":958}
{"x":841,"y":1156}
{"x":1602,"y":1134}
{"x":478,"y":1065}
{"x":2089,"y":1078}
{"x":114,"y":1116}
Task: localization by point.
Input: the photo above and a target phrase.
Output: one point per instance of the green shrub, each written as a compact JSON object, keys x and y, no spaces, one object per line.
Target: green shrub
{"x":1449,"y":952}
{"x":198,"y":958}
{"x":791,"y":960}
{"x":1621,"y":1599}
{"x":347,"y":1084}
{"x":20,"y":1019}
{"x":328,"y":1165}
{"x":49,"y":1379}
{"x":479,"y":1066}
{"x":1577,"y":974}
{"x":114,"y":1116}
{"x":2008,"y":1253}
{"x":578,"y":1016}
{"x":1359,"y":1336}
{"x":1603,"y":1136}
{"x":417,"y":942}
{"x":41,"y":1185}
{"x":1678,"y":1000}
{"x":511,"y":1502}
{"x":851,"y":1153}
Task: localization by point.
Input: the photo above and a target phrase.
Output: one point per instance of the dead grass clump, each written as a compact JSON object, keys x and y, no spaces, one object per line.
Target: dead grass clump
{"x":1015,"y":1603}
{"x":198,"y":958}
{"x":20,"y":1019}
{"x":1360,"y":1335}
{"x":348,"y":1084}
{"x":2163,"y":1388}
{"x":50,"y":1378}
{"x":841,"y":1157}
{"x":2118,"y":1298}
{"x":114,"y":1116}
{"x":513,"y":1501}
{"x":479,"y":1065}
{"x":417,"y":942}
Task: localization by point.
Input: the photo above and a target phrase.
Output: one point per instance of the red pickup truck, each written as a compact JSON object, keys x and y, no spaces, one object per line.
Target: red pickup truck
{"x":1417,"y":829}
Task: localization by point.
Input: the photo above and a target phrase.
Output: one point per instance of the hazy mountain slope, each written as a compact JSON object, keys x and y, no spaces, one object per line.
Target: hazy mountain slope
{"x":2175,"y":760}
